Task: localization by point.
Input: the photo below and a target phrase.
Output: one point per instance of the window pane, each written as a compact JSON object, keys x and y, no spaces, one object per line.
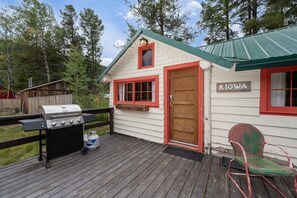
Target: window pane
{"x":130,"y":87}
{"x":147,"y":57}
{"x":150,"y":96}
{"x":137,"y":86}
{"x":288,"y":80}
{"x":278,"y":80}
{"x":125,"y":92}
{"x":294,"y":76}
{"x":149,"y":86}
{"x":121,"y":92}
{"x":137,"y":96}
{"x":280,"y":98}
{"x":294,"y":98}
{"x":129,"y":97}
{"x":144,"y":86}
{"x":144,"y":96}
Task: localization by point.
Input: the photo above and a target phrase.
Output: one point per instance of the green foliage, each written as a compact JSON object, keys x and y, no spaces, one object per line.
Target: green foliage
{"x":92,"y":29}
{"x":76,"y":75}
{"x":162,"y":17}
{"x":216,"y":19}
{"x":35,"y":22}
{"x":70,"y":30}
{"x":279,"y":14}
{"x":7,"y":46}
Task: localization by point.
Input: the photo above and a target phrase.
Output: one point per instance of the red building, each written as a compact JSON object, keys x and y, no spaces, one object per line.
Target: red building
{"x":4,"y":94}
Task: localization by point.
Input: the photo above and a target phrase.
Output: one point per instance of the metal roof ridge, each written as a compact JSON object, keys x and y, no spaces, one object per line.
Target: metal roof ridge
{"x":232,"y":49}
{"x":283,"y":33}
{"x":289,"y":53}
{"x":251,"y":35}
{"x":247,"y":53}
{"x":266,"y":53}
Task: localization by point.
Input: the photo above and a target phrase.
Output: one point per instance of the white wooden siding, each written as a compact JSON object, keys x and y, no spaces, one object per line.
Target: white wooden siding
{"x":228,"y":109}
{"x":145,"y":125}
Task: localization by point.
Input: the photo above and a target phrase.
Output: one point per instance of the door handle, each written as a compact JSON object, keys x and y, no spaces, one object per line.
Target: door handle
{"x":171,"y":100}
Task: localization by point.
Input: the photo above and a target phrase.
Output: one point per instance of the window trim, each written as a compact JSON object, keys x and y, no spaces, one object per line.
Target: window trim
{"x":265,"y":100}
{"x":133,"y":81}
{"x":142,"y":48}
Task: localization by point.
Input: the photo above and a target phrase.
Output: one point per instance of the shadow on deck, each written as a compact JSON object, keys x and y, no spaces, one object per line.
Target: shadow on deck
{"x":127,"y":167}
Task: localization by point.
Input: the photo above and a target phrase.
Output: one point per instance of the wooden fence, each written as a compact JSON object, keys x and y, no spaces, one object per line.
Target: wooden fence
{"x":10,"y":105}
{"x":35,"y":102}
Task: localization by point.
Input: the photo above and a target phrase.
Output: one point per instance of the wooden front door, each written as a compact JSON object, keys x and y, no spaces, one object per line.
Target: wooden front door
{"x":183,"y":106}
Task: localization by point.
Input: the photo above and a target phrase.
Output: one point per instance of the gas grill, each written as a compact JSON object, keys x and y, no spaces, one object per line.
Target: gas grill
{"x":62,"y":126}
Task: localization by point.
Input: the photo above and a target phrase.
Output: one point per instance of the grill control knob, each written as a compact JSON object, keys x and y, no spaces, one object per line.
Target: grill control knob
{"x":63,"y":123}
{"x":78,"y":121}
{"x":54,"y":123}
{"x":71,"y":121}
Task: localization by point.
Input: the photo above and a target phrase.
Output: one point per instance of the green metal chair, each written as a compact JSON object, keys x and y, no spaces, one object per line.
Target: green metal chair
{"x":248,"y":144}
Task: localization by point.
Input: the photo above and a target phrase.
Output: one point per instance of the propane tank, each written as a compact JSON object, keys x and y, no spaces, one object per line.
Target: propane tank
{"x":92,"y":140}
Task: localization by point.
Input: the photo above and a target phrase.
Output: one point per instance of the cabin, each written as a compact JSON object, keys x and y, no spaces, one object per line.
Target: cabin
{"x":168,"y":92}
{"x":54,"y":92}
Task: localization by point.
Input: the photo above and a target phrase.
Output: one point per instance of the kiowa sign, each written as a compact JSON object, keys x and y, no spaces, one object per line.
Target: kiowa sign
{"x":234,"y":86}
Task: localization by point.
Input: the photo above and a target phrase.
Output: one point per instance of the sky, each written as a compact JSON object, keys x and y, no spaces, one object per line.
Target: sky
{"x":114,"y":14}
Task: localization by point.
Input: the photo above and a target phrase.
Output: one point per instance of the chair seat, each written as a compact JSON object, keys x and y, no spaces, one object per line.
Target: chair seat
{"x":259,"y":165}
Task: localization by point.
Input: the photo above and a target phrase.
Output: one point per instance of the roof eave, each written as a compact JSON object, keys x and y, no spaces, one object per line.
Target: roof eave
{"x":267,"y":63}
{"x":106,"y":70}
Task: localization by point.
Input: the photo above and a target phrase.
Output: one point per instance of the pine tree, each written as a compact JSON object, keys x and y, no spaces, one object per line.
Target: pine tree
{"x":162,"y":17}
{"x":217,"y":19}
{"x":92,"y":29}
{"x":70,"y":28}
{"x":76,"y":74}
{"x":279,"y":14}
{"x":249,"y":15}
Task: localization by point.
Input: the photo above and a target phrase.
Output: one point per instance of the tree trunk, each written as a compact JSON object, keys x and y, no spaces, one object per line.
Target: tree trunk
{"x":46,"y":65}
{"x":9,"y":75}
{"x":249,"y":8}
{"x":226,"y":2}
{"x":9,"y":64}
{"x":255,"y":9}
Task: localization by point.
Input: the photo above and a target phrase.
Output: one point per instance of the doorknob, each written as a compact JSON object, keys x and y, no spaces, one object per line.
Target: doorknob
{"x":171,"y":100}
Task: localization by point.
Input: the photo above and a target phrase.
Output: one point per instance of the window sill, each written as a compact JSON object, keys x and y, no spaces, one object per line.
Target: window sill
{"x":279,"y":113}
{"x":133,"y":107}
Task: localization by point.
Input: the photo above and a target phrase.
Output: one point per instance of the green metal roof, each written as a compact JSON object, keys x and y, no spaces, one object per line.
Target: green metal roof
{"x":265,"y":50}
{"x":270,"y":49}
{"x":192,"y":50}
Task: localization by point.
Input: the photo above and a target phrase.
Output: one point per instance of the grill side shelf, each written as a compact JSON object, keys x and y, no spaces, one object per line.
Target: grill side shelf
{"x":33,"y":124}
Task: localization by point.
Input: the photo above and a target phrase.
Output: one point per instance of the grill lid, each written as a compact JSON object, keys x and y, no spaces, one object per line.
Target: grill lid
{"x":60,"y":116}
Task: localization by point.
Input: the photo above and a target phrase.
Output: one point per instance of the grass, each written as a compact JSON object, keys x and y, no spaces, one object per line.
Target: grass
{"x":16,"y":153}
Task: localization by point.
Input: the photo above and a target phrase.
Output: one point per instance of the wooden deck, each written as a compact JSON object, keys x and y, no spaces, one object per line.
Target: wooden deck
{"x":126,"y":167}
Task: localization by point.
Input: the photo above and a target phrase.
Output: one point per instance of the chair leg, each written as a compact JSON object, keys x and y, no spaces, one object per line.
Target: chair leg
{"x":229,"y":173}
{"x":248,"y":180}
{"x":273,"y":186}
{"x":295,"y":183}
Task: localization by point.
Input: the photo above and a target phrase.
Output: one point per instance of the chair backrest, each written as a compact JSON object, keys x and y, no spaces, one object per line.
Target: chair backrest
{"x":249,"y":137}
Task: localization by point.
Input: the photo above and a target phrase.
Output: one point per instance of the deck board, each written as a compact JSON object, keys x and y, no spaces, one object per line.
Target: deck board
{"x":128,"y":167}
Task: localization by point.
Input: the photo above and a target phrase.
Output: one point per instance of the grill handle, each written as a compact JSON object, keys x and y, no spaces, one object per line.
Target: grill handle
{"x":64,"y":115}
